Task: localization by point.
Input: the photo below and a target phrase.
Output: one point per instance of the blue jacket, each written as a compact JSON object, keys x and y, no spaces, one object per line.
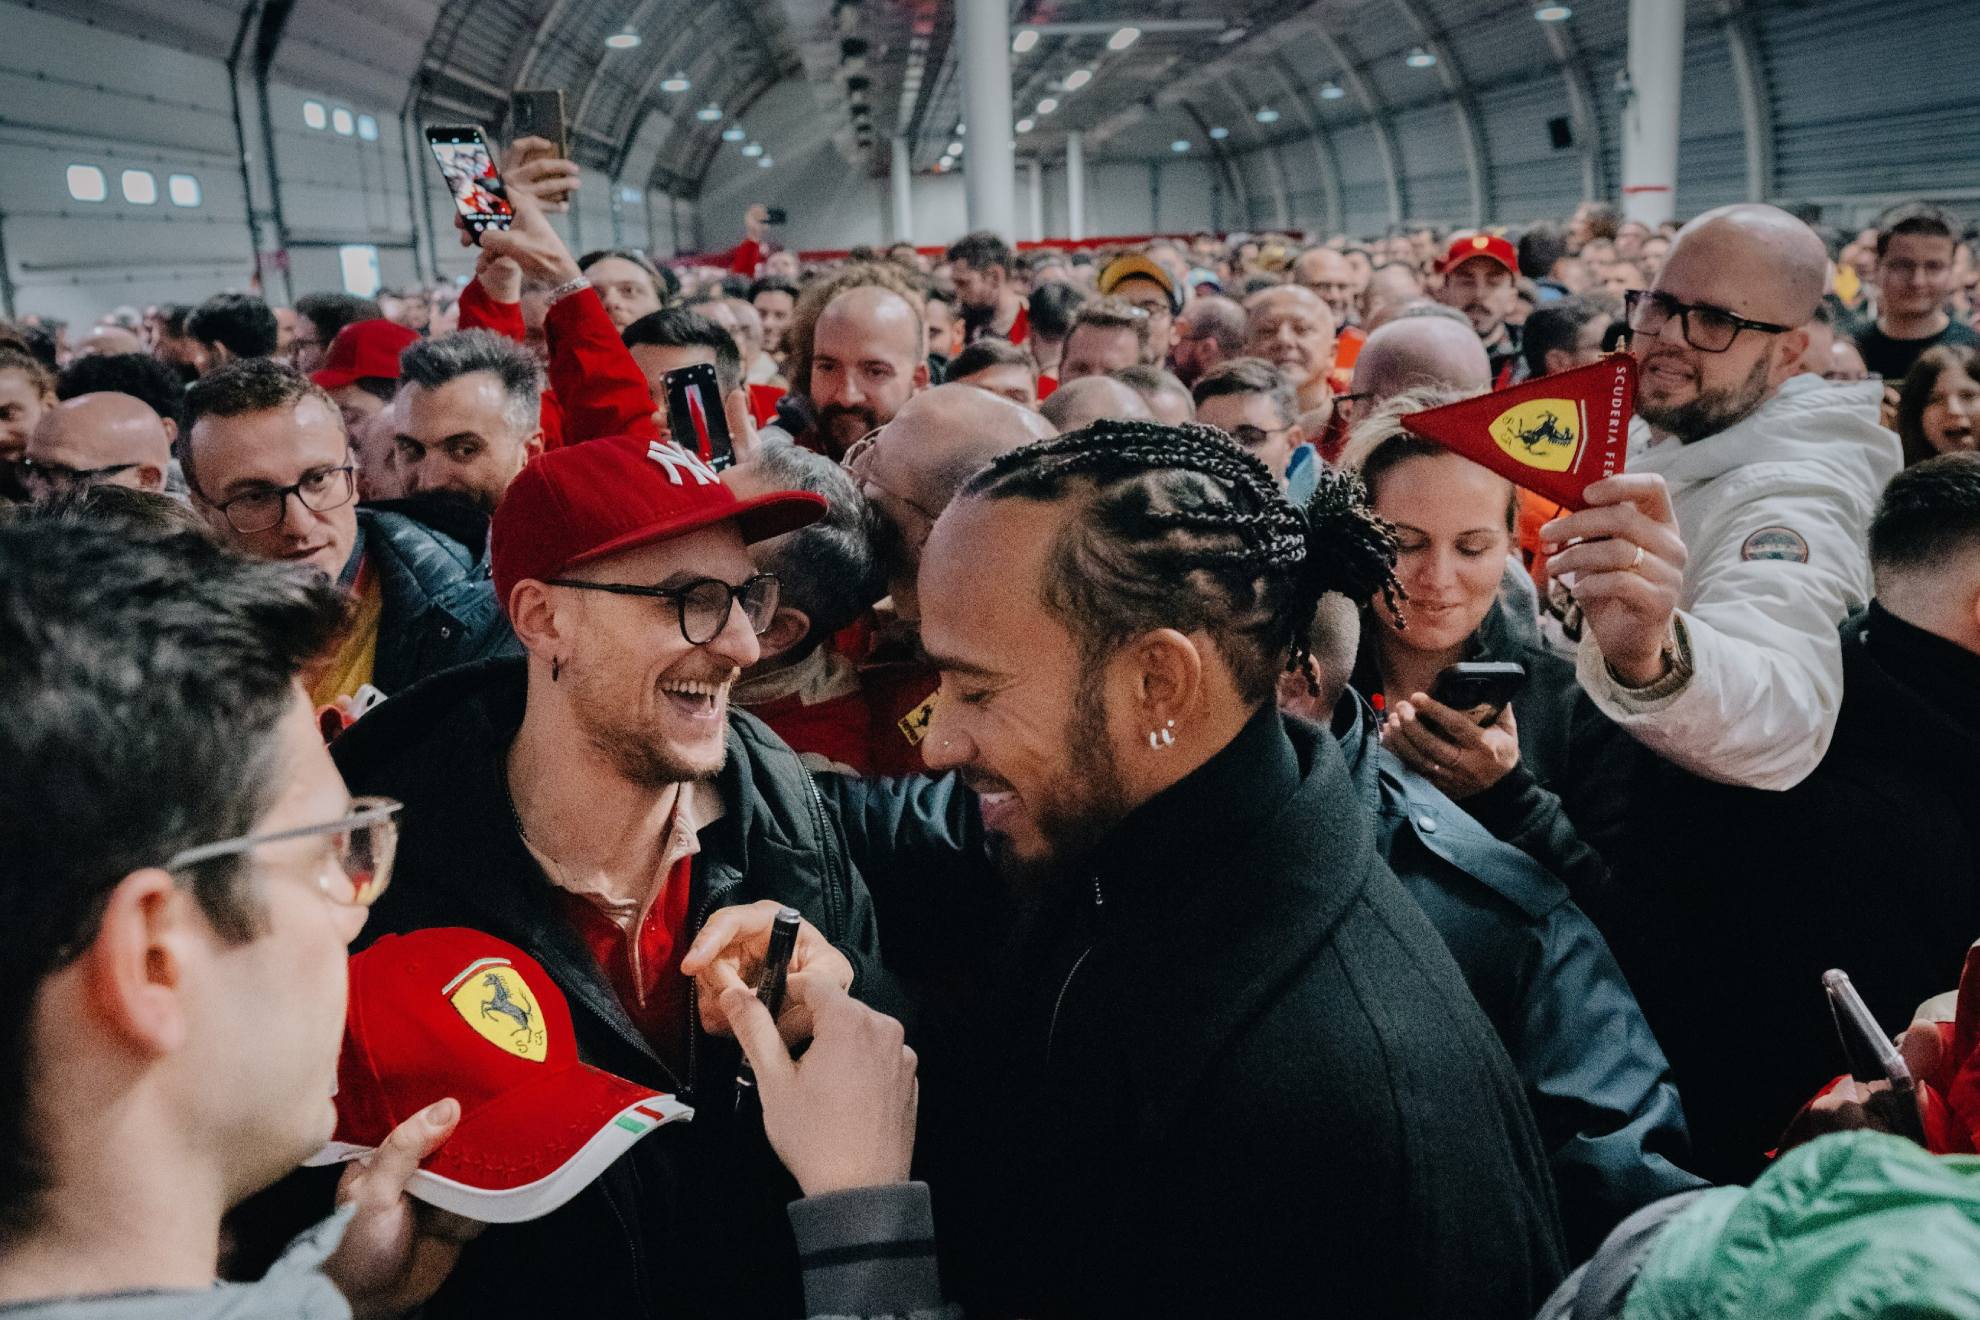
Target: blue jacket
{"x":1594,"y":1074}
{"x":438,"y":604}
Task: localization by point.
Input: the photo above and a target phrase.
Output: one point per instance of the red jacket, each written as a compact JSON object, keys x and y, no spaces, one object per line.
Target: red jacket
{"x":596,"y":389}
{"x":819,"y":707}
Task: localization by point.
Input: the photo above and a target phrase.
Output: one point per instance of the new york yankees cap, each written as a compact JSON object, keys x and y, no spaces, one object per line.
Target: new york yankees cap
{"x":454,"y":1012}
{"x":586,"y":501}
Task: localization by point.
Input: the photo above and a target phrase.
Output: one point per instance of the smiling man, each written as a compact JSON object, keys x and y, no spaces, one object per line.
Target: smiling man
{"x":270,"y":468}
{"x":592,"y":803}
{"x":469,"y":415}
{"x":1291,"y":328}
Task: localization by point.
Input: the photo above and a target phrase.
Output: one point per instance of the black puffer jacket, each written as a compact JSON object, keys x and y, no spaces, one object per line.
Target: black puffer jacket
{"x":438,"y":604}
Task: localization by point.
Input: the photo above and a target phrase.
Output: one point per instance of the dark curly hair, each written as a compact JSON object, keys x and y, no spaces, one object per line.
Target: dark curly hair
{"x":1181,"y":528}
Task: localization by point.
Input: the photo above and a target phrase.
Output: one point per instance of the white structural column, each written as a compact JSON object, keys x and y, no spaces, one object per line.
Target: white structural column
{"x":1034,"y":173}
{"x":983,"y":49}
{"x":1075,"y":185}
{"x":903,"y":192}
{"x":1650,"y":114}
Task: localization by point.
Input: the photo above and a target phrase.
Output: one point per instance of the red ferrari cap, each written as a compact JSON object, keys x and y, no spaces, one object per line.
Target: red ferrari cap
{"x":363,"y":350}
{"x":452,"y":1012}
{"x":583,"y":502}
{"x":1489,"y":246}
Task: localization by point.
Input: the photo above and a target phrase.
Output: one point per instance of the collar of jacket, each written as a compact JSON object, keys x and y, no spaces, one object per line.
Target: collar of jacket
{"x":1940,"y":672}
{"x":1808,"y":419}
{"x":429,"y":584}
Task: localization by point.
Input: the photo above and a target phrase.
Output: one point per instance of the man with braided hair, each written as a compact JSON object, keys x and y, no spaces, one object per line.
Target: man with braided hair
{"x":1192,"y":1049}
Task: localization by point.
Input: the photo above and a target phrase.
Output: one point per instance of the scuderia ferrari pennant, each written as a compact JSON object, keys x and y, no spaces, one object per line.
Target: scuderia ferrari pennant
{"x":1553,"y":436}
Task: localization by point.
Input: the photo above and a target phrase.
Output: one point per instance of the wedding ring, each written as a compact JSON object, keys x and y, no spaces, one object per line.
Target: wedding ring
{"x":1636,"y":563}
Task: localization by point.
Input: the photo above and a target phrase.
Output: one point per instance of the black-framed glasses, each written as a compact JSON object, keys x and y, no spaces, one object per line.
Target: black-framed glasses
{"x":363,"y":844}
{"x":45,"y":479}
{"x":702,"y":605}
{"x":1257,"y":437}
{"x":319,"y":492}
{"x":1706,"y":328}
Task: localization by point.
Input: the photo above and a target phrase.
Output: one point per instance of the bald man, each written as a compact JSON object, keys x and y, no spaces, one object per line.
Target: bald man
{"x":109,"y":341}
{"x":867,"y":359}
{"x":1391,"y":287}
{"x":97,"y":439}
{"x":1418,"y":351}
{"x":1087,"y":400}
{"x":1716,"y":570}
{"x":1293,"y":329}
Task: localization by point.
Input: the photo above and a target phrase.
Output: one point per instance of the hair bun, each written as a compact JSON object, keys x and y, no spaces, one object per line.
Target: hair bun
{"x":1349,"y":547}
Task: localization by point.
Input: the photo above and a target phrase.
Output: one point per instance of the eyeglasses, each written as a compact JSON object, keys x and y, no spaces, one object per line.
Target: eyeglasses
{"x":702,"y":605}
{"x":1256,"y":437}
{"x":319,"y":492}
{"x":363,"y":844}
{"x":1707,"y":329}
{"x":859,"y":457}
{"x":45,"y":479}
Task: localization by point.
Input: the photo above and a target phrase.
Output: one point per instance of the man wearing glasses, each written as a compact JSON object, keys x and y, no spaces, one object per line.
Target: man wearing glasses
{"x":1713,"y":574}
{"x":593,"y":803}
{"x":271,"y":469}
{"x":97,"y":439}
{"x":185,"y":871}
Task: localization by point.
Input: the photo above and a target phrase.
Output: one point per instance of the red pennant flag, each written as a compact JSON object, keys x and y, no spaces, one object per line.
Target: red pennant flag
{"x":1554,"y":435}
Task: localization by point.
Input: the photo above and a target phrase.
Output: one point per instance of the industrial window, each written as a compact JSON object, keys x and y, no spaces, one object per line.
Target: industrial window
{"x":184,"y":190}
{"x":314,"y":114}
{"x":367,"y":128}
{"x":360,"y":263}
{"x":87,"y":184}
{"x":140,"y":188}
{"x":340,"y":119}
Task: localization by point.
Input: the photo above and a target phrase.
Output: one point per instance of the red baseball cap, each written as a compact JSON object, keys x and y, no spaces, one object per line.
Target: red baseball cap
{"x":453,"y":1012}
{"x":363,"y":350}
{"x":1489,"y":246}
{"x":584,"y":502}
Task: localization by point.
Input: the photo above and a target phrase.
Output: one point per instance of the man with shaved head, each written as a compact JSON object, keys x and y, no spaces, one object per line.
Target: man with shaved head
{"x":1391,"y":287}
{"x":1089,"y":399}
{"x":1712,"y":575}
{"x":1329,"y":274}
{"x":1417,"y":351}
{"x":867,"y":359}
{"x":1293,"y":329}
{"x":97,"y":439}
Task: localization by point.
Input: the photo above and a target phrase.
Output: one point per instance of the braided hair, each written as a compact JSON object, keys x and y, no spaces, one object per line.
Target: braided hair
{"x":1180,"y":527}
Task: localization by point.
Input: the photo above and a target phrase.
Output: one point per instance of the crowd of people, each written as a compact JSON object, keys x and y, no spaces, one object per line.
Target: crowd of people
{"x":1066,"y":644}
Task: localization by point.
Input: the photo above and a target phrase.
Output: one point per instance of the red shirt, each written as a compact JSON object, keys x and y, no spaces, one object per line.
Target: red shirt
{"x":819,"y":707}
{"x":649,"y":986}
{"x":763,"y":403}
{"x":596,"y":389}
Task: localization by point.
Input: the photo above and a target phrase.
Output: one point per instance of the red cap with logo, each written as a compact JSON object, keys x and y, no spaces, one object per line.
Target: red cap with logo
{"x":1489,"y":246}
{"x":584,"y":502}
{"x":364,"y":350}
{"x":453,"y":1012}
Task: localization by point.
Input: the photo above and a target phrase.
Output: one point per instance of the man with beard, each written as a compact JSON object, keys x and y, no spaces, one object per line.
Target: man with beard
{"x":866,"y":361}
{"x":592,"y":803}
{"x":1206,"y":1057}
{"x":980,"y":265}
{"x":1481,"y":278}
{"x":469,"y":415}
{"x":1713,"y":574}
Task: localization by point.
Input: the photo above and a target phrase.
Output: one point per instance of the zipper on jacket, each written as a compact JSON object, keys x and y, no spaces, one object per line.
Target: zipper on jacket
{"x":1052,"y":1032}
{"x":694,"y":986}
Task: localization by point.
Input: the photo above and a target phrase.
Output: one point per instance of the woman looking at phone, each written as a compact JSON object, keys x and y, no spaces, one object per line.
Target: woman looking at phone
{"x":1454,"y":524}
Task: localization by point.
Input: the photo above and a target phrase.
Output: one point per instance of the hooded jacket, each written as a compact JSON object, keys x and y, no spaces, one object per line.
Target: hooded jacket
{"x":1773,"y":511}
{"x":691,"y":1222}
{"x":1224,"y":1068}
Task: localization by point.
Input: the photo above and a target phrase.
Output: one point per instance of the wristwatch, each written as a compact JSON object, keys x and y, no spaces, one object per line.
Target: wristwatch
{"x":1677,"y":667}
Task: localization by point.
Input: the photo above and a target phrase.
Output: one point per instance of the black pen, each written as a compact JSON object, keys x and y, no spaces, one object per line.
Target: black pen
{"x":771,"y":979}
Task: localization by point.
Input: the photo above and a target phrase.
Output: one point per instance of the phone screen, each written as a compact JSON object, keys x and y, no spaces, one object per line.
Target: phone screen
{"x":695,"y":417}
{"x":469,"y":168}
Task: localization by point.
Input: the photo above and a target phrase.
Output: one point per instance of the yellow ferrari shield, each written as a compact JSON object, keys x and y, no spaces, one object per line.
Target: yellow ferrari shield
{"x":1541,"y":433}
{"x":491,"y":998}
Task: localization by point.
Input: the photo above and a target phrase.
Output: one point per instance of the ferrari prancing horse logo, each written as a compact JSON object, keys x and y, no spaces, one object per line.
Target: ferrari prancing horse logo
{"x":1541,"y":433}
{"x":491,"y":997}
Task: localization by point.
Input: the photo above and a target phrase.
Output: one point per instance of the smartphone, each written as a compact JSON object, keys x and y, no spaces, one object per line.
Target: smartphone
{"x":696,"y":419}
{"x":775,"y":215}
{"x":540,"y":113}
{"x":469,"y":168}
{"x":1872,"y":1057}
{"x":1479,"y":688}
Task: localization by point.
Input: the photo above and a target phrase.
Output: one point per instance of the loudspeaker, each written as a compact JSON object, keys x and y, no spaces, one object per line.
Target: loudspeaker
{"x":1561,"y":133}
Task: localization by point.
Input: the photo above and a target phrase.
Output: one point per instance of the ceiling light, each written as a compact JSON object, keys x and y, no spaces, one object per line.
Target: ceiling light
{"x":1229,"y":35}
{"x":1267,"y":115}
{"x":1078,"y":78}
{"x":1219,"y":134}
{"x":1025,"y":39}
{"x":622,"y":40}
{"x":709,"y":114}
{"x":955,"y":148}
{"x":734,"y":133}
{"x":1179,"y":146}
{"x":764,"y":162}
{"x":1332,"y":91}
{"x":1553,"y":13}
{"x":753,"y":149}
{"x":962,"y":129}
{"x":677,"y":83}
{"x":1420,"y":59}
{"x":1026,"y":124}
{"x":1124,"y":38}
{"x":1048,"y":105}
